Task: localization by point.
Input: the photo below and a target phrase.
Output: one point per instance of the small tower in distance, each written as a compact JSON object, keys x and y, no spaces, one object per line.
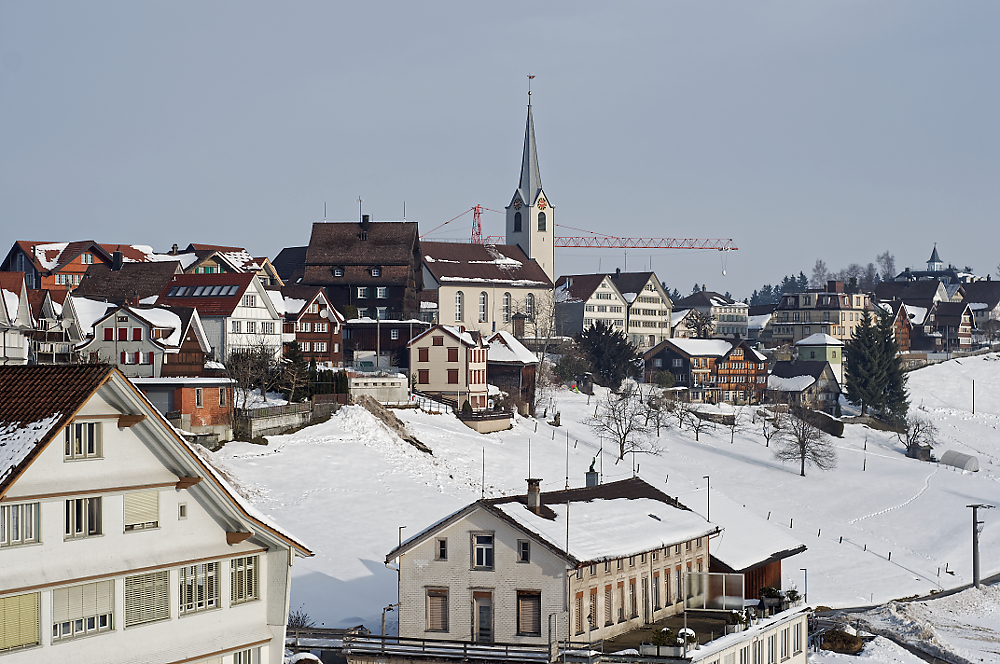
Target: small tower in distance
{"x":530,"y":215}
{"x":934,"y":263}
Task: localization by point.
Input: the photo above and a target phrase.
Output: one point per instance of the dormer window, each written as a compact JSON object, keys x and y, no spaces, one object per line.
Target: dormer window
{"x":338,"y":271}
{"x":376,"y":272}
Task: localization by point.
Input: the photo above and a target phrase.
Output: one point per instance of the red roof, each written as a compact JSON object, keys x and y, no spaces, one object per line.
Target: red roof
{"x":207,"y":306}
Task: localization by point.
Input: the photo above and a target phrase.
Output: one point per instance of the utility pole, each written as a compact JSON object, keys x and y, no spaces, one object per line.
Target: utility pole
{"x":708,"y":499}
{"x":976,"y":527}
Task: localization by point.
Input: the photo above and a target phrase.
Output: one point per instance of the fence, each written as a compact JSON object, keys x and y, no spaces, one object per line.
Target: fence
{"x":381,"y":646}
{"x":250,"y":423}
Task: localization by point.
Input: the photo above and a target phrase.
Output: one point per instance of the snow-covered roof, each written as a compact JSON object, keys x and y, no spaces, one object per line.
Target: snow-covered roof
{"x":608,"y":529}
{"x":18,"y":440}
{"x":702,"y":347}
{"x":163,"y":318}
{"x":48,"y":255}
{"x":747,"y":540}
{"x":504,"y":347}
{"x":277,"y":300}
{"x":630,"y":297}
{"x":758,"y":322}
{"x":293,"y":305}
{"x":820,"y":339}
{"x":917,"y":314}
{"x":88,"y":312}
{"x":793,"y":384}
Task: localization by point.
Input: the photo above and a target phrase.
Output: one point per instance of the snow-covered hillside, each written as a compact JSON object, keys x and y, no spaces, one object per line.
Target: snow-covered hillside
{"x":347,"y":487}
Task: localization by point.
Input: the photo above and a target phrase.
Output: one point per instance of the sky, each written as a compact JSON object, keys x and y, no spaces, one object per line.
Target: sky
{"x":800,"y":130}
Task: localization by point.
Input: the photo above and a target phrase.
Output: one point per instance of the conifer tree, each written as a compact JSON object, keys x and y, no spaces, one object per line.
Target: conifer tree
{"x":609,"y":352}
{"x":875,"y":377}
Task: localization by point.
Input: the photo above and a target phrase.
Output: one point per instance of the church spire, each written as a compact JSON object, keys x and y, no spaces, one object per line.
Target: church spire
{"x":531,"y":179}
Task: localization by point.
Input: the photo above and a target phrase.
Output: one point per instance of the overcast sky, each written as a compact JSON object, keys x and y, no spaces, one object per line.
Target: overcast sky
{"x":801,"y":130}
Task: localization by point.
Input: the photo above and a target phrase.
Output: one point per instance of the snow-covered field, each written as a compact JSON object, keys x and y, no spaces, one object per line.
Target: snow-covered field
{"x":347,"y":486}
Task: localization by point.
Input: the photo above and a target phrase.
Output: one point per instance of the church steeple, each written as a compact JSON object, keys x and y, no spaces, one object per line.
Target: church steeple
{"x":531,"y":178}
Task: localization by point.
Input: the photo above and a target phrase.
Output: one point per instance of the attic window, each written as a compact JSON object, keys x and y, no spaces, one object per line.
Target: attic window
{"x":338,"y":271}
{"x":376,"y":272}
{"x":363,"y":235}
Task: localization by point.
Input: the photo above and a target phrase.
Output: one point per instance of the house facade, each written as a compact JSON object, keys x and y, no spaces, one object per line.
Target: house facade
{"x":53,"y":265}
{"x":805,"y":383}
{"x":17,"y":324}
{"x":201,"y":405}
{"x":512,"y":368}
{"x":731,"y":319}
{"x":371,"y":344}
{"x":496,"y":570}
{"x":712,"y":370}
{"x":236,"y":311}
{"x":315,"y":325}
{"x":830,"y":311}
{"x":450,"y":363}
{"x":581,"y":300}
{"x":649,"y":307}
{"x":821,"y":347}
{"x":120,"y":541}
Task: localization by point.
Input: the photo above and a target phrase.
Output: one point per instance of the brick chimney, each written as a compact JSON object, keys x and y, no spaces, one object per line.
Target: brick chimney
{"x":534,"y":495}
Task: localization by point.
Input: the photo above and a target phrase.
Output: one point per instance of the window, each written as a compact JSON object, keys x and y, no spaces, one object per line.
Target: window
{"x":529,"y":613}
{"x":632,"y":604}
{"x":438,"y":341}
{"x":199,"y":400}
{"x":248,"y":656}
{"x":608,"y":609}
{"x":437,"y":610}
{"x":109,"y":334}
{"x":459,"y":300}
{"x":362,"y":292}
{"x":19,"y":621}
{"x":182,"y":511}
{"x":319,"y":347}
{"x":136,"y":334}
{"x":523,"y":551}
{"x":453,"y":376}
{"x":147,"y":598}
{"x":267,"y":327}
{"x":142,"y":510}
{"x":83,"y":517}
{"x":529,"y":305}
{"x":797,"y":637}
{"x":394,"y":334}
{"x":87,"y":259}
{"x":243,"y":579}
{"x":249,"y":300}
{"x":382,"y":292}
{"x":222,"y":397}
{"x":81,"y":610}
{"x":237,"y":327}
{"x":656,"y":591}
{"x":305,"y":346}
{"x":453,"y":355}
{"x":382,"y":313}
{"x":18,"y":524}
{"x":578,"y":611}
{"x":541,"y":221}
{"x":376,"y":272}
{"x":687,"y":545}
{"x":506,"y":307}
{"x":784,"y":644}
{"x":483,"y":551}
{"x":441,"y":549}
{"x":677,"y":363}
{"x":338,"y":271}
{"x":423,"y":377}
{"x":517,"y":222}
{"x":199,"y":587}
{"x":251,"y":327}
{"x":423,"y":355}
{"x":483,"y":304}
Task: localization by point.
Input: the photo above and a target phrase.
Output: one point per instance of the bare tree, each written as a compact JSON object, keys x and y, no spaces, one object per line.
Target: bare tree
{"x":622,"y":418}
{"x":886,"y":265}
{"x":869,"y":278}
{"x":701,"y":324}
{"x":820,"y":274}
{"x":801,"y":441}
{"x":918,"y":431}
{"x":541,"y":323}
{"x":251,"y":366}
{"x":699,"y":423}
{"x":770,"y":426}
{"x":657,"y":413}
{"x":738,"y":423}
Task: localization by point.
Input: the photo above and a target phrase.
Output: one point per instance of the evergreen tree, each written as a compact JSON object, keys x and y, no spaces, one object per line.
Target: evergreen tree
{"x":874,"y":371}
{"x":609,"y":352}
{"x":896,"y":398}
{"x":802,"y":281}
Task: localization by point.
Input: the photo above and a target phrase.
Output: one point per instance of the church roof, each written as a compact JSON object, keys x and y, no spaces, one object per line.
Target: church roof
{"x":531,"y":178}
{"x":934,"y":254}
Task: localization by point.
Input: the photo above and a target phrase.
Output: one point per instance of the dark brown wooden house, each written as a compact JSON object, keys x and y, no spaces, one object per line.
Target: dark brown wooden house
{"x":512,"y":368}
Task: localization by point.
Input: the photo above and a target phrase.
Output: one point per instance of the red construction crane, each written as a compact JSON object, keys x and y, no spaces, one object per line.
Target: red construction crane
{"x":596,"y":240}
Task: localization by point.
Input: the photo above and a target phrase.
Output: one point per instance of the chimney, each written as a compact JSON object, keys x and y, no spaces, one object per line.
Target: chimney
{"x":117,"y":259}
{"x":365,"y":222}
{"x":618,"y":272}
{"x":534,"y":495}
{"x":174,"y":250}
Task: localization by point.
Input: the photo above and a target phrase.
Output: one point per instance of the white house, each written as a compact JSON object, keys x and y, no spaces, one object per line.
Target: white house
{"x":119,"y":541}
{"x":649,"y":307}
{"x":581,"y":300}
{"x":236,"y":311}
{"x":495,"y":570}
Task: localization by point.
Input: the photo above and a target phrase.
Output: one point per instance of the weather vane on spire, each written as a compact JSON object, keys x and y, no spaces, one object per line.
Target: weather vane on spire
{"x":530,"y":76}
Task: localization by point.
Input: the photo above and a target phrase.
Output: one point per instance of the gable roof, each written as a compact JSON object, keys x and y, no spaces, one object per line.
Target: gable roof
{"x":632,"y":282}
{"x":340,"y":243}
{"x":133,"y":281}
{"x":290,"y":262}
{"x":14,"y":299}
{"x":607,"y":521}
{"x":694,"y":347}
{"x":296,"y":298}
{"x":504,"y":348}
{"x":983,"y":292}
{"x":820,"y":339}
{"x":220,"y":305}
{"x":238,"y":258}
{"x":706,"y":299}
{"x":786,"y":369}
{"x":40,"y":400}
{"x":500,"y":265}
{"x":925,"y":289}
{"x":53,"y":256}
{"x":466,"y":337}
{"x":580,"y":287}
{"x":950,"y":313}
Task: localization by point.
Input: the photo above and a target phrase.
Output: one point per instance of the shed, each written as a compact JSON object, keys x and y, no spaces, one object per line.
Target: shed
{"x":959,"y":460}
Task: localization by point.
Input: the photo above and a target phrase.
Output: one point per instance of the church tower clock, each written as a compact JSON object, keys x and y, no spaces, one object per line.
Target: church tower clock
{"x":530,"y":215}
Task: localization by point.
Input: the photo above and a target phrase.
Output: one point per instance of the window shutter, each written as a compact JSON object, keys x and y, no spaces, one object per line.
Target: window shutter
{"x":147,"y":597}
{"x":529,"y":612}
{"x":437,"y":610}
{"x":141,"y":509}
{"x":109,"y":334}
{"x":89,"y":599}
{"x":124,"y":355}
{"x":19,"y":621}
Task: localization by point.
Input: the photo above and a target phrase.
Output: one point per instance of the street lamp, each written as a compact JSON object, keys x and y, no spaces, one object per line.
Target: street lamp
{"x":976,"y":526}
{"x":708,"y":499}
{"x":805,"y":595}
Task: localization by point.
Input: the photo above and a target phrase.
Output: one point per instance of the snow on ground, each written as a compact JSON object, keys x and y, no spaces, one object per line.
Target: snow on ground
{"x":348,"y":485}
{"x":879,"y":651}
{"x":966,"y":624}
{"x":253,"y":399}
